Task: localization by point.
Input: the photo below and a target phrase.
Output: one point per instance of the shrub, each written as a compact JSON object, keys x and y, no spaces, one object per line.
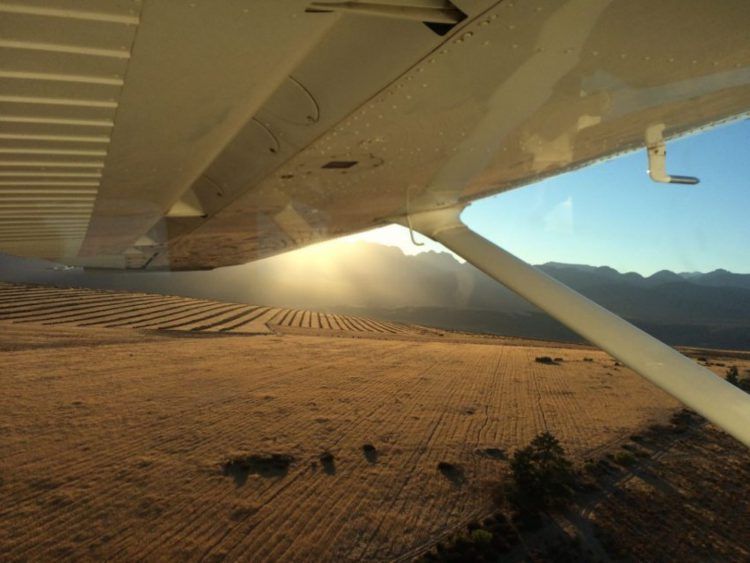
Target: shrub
{"x":462,"y":542}
{"x":590,"y":466}
{"x":240,"y":467}
{"x":732,"y":376}
{"x":481,"y":537}
{"x":454,"y":473}
{"x":545,"y":360}
{"x":371,"y":453}
{"x":543,"y":476}
{"x":626,"y":459}
{"x":328,"y":461}
{"x":682,"y":419}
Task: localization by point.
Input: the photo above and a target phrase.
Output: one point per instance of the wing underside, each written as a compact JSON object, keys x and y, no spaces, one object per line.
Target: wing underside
{"x":176,"y":135}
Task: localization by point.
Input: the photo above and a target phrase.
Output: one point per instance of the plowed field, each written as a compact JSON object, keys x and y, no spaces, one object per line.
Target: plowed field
{"x":159,"y":444}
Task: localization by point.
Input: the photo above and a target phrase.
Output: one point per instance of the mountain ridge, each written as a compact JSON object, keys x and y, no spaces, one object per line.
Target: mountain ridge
{"x":433,"y":288}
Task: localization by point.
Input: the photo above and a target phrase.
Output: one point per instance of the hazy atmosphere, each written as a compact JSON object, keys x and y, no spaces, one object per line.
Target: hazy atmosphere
{"x":435,"y":289}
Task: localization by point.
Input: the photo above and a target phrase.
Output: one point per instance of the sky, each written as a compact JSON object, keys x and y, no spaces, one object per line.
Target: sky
{"x":612,"y":214}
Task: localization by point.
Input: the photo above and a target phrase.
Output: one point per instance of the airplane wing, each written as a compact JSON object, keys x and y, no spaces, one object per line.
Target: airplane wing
{"x":189,"y":135}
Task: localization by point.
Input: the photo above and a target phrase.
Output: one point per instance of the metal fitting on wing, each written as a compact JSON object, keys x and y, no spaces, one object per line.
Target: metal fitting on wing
{"x":657,"y":158}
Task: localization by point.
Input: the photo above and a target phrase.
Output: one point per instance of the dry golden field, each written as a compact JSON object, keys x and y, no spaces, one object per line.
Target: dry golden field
{"x":120,"y":441}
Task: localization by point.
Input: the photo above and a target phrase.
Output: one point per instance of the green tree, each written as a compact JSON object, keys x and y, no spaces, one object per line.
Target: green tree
{"x":543,"y":476}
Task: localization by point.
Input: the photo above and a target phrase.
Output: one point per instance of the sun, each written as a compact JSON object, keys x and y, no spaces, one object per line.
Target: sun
{"x":398,"y":236}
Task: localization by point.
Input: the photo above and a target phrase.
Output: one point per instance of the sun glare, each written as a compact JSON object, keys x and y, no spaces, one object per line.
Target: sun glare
{"x":392,"y":235}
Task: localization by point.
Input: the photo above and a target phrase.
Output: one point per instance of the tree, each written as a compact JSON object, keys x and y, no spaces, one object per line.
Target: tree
{"x":543,"y":476}
{"x":732,"y":376}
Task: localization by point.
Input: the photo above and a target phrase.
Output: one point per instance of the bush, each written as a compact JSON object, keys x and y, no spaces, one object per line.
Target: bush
{"x":732,"y":376}
{"x":481,"y":537}
{"x":454,"y":473}
{"x":543,"y":476}
{"x":590,"y":466}
{"x":545,"y":360}
{"x":626,"y":459}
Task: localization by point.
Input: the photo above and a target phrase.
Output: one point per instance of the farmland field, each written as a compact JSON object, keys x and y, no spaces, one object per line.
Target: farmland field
{"x":151,"y":427}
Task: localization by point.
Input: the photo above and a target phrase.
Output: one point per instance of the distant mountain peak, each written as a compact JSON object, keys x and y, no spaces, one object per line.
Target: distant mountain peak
{"x":664,"y":274}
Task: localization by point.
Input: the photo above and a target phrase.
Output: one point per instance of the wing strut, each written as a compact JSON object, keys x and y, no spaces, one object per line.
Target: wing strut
{"x":720,"y":402}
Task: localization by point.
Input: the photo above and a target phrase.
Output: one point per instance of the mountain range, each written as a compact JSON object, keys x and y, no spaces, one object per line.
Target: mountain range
{"x":691,"y":308}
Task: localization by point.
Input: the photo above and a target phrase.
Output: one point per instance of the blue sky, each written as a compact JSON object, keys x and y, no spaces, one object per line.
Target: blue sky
{"x":612,"y":214}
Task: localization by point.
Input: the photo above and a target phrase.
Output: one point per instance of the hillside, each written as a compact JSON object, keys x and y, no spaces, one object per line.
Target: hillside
{"x":139,"y":426}
{"x":371,"y":280}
